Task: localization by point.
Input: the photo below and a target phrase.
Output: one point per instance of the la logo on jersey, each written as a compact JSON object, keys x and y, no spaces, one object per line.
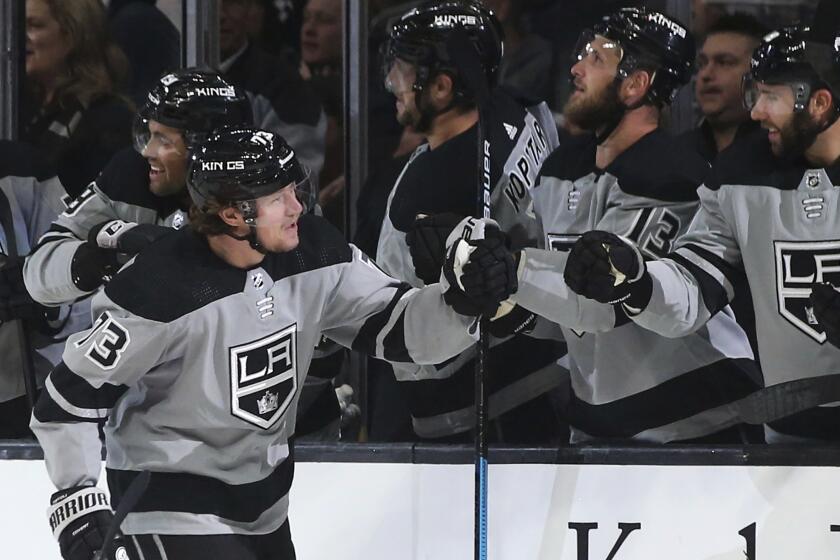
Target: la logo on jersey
{"x":263,"y":377}
{"x":798,"y":265}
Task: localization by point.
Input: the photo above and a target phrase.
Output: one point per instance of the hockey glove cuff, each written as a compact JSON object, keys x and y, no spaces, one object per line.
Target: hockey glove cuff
{"x":609,"y":269}
{"x":79,"y":518}
{"x":126,"y":237}
{"x":511,"y":319}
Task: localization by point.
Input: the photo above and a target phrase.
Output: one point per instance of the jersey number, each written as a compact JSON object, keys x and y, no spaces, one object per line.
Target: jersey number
{"x":655,"y":234}
{"x":108,"y":340}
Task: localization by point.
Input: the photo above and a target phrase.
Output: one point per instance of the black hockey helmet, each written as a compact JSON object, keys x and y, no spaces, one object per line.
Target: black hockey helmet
{"x":239,"y":164}
{"x":195,"y":101}
{"x":649,"y":40}
{"x":793,"y":56}
{"x":420,"y":38}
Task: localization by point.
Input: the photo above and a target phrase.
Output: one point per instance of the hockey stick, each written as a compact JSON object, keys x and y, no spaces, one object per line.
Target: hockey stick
{"x":127,"y":504}
{"x":8,"y":225}
{"x":465,"y":57}
{"x":785,"y":399}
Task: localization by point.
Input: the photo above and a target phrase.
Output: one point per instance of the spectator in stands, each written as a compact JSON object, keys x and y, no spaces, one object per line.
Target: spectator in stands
{"x":320,"y":65}
{"x":72,"y":111}
{"x":282,"y":101}
{"x":30,"y":199}
{"x":149,"y":40}
{"x":722,"y":61}
{"x":528,"y":60}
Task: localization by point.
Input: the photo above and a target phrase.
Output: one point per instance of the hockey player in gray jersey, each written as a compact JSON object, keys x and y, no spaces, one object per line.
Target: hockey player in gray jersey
{"x":137,"y":191}
{"x":770,"y":208}
{"x":441,"y":177}
{"x":198,"y":353}
{"x":31,"y":197}
{"x":632,"y":179}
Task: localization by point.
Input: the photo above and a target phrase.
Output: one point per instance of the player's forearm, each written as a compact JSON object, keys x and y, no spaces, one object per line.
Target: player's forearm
{"x":676,"y":307}
{"x":543,"y":291}
{"x":47,"y":273}
{"x":432,"y":331}
{"x":72,"y":451}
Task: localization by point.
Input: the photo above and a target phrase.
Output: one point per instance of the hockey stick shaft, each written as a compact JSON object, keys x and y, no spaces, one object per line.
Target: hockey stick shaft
{"x":128,"y":502}
{"x":466,"y":59}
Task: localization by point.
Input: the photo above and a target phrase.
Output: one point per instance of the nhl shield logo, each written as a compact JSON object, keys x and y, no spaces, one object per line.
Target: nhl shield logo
{"x":263,"y":377}
{"x":798,"y":265}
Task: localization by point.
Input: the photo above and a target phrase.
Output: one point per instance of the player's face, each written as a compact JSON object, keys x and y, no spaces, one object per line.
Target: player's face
{"x":594,"y":100}
{"x":167,"y":156}
{"x":790,"y":133}
{"x":47,"y":45}
{"x":277,"y":220}
{"x":722,"y":61}
{"x":400,"y":82}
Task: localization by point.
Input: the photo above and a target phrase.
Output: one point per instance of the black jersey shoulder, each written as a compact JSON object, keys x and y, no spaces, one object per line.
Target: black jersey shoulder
{"x":179,"y":273}
{"x":659,"y":167}
{"x":321,"y":245}
{"x":126,"y":179}
{"x":749,"y":161}
{"x":574,"y":158}
{"x":173,"y":277}
{"x":437,"y":181}
{"x":18,"y":159}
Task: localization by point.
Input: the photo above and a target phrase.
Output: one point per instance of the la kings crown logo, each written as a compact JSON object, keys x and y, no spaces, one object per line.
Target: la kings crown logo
{"x":798,"y":265}
{"x":263,"y":377}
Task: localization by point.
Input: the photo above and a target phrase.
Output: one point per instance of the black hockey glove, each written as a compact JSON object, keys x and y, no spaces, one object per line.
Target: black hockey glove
{"x":427,"y":244}
{"x":15,"y":302}
{"x":481,"y":273}
{"x":826,"y":303}
{"x":511,"y":321}
{"x":92,"y":266}
{"x":79,"y":518}
{"x":126,"y":237}
{"x":604,"y":267}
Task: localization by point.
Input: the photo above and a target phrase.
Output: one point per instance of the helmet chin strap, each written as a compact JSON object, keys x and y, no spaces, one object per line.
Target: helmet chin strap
{"x":612,"y":123}
{"x":251,"y":238}
{"x":249,"y":213}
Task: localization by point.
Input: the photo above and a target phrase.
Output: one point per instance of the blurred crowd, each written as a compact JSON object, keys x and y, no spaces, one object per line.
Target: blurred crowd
{"x":88,"y":73}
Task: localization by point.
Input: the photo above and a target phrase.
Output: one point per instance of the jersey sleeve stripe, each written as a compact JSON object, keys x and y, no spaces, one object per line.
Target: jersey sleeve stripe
{"x":52,"y":397}
{"x":712,"y":287}
{"x":394,"y":342}
{"x":721,"y":270}
{"x":366,"y":339}
{"x":79,"y":393}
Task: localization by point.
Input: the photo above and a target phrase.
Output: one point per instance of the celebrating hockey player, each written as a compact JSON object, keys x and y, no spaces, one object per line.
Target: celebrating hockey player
{"x":769,"y":207}
{"x":441,"y":179}
{"x":199,"y":349}
{"x":137,"y":191}
{"x":631,"y":178}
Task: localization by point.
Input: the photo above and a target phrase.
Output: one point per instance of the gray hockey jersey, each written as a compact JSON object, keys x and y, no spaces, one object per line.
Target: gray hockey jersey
{"x":120,"y":192}
{"x":32,"y":197}
{"x":778,"y":221}
{"x":627,"y":382}
{"x":441,"y":397}
{"x":196,"y":367}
